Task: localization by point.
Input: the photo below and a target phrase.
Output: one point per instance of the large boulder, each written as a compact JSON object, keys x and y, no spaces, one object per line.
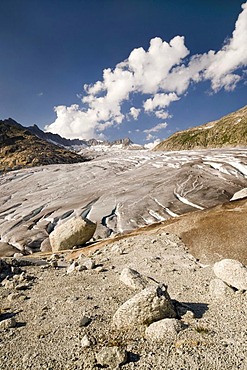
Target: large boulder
{"x":232,"y":272}
{"x":151,"y":304}
{"x":76,"y":231}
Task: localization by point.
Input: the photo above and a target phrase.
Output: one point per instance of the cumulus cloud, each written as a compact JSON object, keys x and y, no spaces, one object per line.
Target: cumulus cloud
{"x":73,"y":123}
{"x":159,"y":101}
{"x":161,"y":74}
{"x":151,"y":145}
{"x":156,"y":128}
{"x":231,"y":57}
{"x":134,"y":112}
{"x":162,"y":114}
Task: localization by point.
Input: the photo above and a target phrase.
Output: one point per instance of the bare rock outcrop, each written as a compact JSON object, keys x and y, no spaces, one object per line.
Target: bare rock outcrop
{"x":76,"y":231}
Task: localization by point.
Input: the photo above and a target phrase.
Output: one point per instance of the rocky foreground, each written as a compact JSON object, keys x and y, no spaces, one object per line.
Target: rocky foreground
{"x":142,"y":302}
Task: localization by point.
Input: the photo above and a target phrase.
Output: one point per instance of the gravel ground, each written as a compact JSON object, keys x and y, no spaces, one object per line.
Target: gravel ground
{"x":49,"y":305}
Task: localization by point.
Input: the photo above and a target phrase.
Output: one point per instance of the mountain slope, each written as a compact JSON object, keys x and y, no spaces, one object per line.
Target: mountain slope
{"x":20,"y":148}
{"x":228,"y":131}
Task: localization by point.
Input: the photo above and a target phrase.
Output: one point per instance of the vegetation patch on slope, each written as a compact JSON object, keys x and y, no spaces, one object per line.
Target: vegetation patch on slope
{"x":229,"y":131}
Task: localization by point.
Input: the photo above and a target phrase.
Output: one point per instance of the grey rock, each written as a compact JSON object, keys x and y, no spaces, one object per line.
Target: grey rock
{"x":85,"y":320}
{"x":231,"y":272}
{"x":45,"y":245}
{"x":111,"y":356}
{"x":88,"y":263}
{"x":72,"y":267}
{"x":7,"y":323}
{"x":219,"y":289}
{"x":76,"y":231}
{"x":85,"y":342}
{"x":132,"y":278}
{"x":151,"y":304}
{"x":163,"y":329}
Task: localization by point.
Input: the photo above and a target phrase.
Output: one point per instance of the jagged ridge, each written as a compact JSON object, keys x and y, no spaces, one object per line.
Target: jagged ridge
{"x":48,"y":136}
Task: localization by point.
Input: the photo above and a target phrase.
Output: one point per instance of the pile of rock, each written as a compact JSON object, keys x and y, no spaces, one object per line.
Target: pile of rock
{"x":15,"y":281}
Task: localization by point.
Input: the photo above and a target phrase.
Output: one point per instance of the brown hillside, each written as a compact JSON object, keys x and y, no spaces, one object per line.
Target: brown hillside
{"x":20,"y":148}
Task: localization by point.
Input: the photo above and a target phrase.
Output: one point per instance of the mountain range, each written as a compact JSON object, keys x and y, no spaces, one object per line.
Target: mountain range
{"x":228,"y":131}
{"x":29,"y":146}
{"x":59,"y":140}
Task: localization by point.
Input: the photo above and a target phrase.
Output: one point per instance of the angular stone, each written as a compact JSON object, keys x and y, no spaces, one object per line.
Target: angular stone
{"x":231,"y":272}
{"x":85,"y":342}
{"x":7,"y":323}
{"x":76,"y":231}
{"x":132,"y":279}
{"x":86,"y":262}
{"x":72,"y":267}
{"x":45,"y":245}
{"x":163,"y":329}
{"x":151,"y":304}
{"x":85,"y":320}
{"x":111,"y":356}
{"x":219,"y":289}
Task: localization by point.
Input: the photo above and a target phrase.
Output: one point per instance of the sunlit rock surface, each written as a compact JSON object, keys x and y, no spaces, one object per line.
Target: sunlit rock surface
{"x":120,"y":190}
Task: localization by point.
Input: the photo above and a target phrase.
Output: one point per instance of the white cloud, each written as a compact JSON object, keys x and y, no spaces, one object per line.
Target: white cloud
{"x":159,"y":101}
{"x":231,"y":57}
{"x":151,"y":145}
{"x":162,"y":73}
{"x":156,"y":128}
{"x":134,"y":112}
{"x":73,"y":123}
{"x":162,"y":114}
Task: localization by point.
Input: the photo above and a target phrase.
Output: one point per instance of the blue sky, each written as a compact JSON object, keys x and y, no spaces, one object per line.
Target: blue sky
{"x":53,"y":54}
